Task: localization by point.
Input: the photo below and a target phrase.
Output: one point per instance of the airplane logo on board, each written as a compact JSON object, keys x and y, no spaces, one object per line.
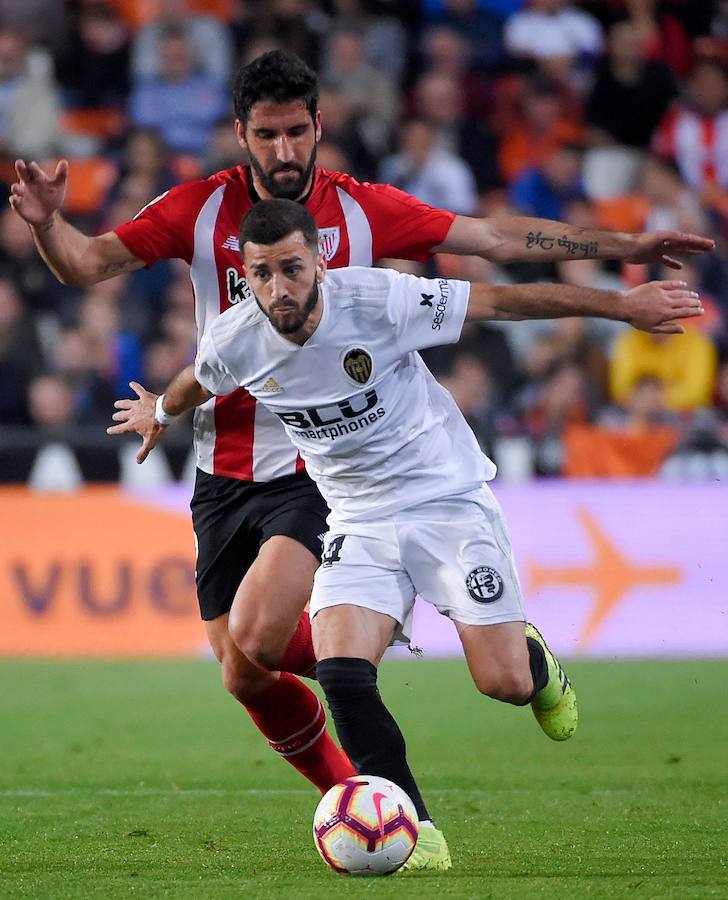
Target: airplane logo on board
{"x":610,"y":575}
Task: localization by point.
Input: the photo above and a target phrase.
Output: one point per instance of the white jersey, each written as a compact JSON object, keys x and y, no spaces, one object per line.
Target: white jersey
{"x":377,"y":432}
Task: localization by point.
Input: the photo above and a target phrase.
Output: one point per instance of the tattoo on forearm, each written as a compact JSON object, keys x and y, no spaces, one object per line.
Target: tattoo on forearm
{"x":583,"y":249}
{"x":587,"y":248}
{"x":115,"y":267}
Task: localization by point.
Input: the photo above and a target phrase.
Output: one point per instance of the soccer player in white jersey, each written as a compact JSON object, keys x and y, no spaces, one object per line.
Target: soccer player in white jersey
{"x":334,"y":358}
{"x":256,"y":514}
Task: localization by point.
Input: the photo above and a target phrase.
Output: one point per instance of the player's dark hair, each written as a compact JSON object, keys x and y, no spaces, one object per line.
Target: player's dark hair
{"x":269,"y":221}
{"x":278,"y":76}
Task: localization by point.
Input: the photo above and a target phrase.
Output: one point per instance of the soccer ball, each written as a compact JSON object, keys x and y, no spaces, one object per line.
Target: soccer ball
{"x":365,"y":825}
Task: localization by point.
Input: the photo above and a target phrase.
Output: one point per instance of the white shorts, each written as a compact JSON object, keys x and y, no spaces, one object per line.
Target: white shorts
{"x":455,"y":553}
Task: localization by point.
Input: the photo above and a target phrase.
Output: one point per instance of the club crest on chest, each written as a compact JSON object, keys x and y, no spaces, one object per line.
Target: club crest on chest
{"x":358,"y":365}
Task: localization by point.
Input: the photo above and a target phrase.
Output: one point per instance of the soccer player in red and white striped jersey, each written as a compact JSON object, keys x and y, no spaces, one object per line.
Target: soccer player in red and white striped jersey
{"x":258,"y":518}
{"x":199,"y":222}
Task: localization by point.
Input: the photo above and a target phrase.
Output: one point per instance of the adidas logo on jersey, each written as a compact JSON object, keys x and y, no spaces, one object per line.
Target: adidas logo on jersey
{"x":271,"y":387}
{"x":231,"y":243}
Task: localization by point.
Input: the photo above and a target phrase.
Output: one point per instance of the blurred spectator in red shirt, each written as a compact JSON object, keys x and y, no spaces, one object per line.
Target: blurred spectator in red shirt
{"x":694,"y":133}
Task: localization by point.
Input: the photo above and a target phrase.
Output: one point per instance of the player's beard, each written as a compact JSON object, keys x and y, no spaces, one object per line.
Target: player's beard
{"x":294,"y":323}
{"x":291,"y":188}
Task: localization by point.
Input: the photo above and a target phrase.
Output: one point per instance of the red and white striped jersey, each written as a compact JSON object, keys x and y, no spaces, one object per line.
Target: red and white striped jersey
{"x":698,"y":144}
{"x":199,"y":222}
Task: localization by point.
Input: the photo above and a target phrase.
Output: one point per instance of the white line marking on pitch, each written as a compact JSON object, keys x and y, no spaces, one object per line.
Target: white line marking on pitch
{"x":147,"y":792}
{"x":168,"y":792}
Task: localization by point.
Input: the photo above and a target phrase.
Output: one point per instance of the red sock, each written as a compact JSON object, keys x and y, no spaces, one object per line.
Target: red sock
{"x":293,"y":720}
{"x":298,"y":656}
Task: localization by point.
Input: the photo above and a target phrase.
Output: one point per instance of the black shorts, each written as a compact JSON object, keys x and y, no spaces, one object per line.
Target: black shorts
{"x":232,"y":519}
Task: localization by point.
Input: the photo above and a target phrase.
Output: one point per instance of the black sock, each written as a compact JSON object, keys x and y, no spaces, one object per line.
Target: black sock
{"x":366,"y":728}
{"x":538,"y":665}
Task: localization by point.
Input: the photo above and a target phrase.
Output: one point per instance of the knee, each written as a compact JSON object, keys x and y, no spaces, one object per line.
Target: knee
{"x":257,"y":643}
{"x":242,"y":679}
{"x":508,"y":685}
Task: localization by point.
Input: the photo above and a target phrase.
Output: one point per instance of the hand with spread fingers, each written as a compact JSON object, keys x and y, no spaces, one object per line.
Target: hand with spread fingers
{"x":138,"y":416}
{"x":36,"y":195}
{"x":664,"y":246}
{"x":657,"y":305}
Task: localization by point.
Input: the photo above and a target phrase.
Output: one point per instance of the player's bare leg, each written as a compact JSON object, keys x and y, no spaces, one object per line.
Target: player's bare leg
{"x":497,"y":656}
{"x":349,"y":642}
{"x":240,"y":677}
{"x":288,"y":713}
{"x":267,"y":619}
{"x":511,"y":662}
{"x":352,"y":631}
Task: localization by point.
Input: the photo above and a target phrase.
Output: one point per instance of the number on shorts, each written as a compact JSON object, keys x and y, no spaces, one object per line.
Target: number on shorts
{"x":332,"y":553}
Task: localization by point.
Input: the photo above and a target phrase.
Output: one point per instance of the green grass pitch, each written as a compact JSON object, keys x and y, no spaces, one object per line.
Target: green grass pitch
{"x":144,"y":779}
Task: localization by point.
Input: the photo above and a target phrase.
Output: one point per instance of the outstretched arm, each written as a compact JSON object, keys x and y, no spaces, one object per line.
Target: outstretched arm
{"x":150,"y":414}
{"x":73,"y":257}
{"x":652,"y":307}
{"x":509,"y":238}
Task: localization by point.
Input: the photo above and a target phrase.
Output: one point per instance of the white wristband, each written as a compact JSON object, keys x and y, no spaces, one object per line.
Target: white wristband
{"x":160,"y":415}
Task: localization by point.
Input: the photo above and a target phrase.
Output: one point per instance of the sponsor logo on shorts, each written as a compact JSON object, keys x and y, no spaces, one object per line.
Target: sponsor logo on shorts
{"x":358,"y":365}
{"x":484,"y":585}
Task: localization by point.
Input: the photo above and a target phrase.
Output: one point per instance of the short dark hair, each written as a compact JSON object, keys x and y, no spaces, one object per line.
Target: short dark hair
{"x":269,"y":221}
{"x":279,"y":76}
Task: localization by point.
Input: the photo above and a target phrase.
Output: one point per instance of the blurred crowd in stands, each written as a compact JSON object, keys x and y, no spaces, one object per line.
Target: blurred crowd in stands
{"x":601,"y":113}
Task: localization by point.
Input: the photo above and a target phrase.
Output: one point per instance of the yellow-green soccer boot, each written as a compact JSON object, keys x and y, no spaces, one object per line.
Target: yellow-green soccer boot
{"x":555,"y":704}
{"x":431,"y":852}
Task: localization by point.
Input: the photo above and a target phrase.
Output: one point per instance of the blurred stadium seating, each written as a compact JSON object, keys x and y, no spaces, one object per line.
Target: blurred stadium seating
{"x":532,"y":125}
